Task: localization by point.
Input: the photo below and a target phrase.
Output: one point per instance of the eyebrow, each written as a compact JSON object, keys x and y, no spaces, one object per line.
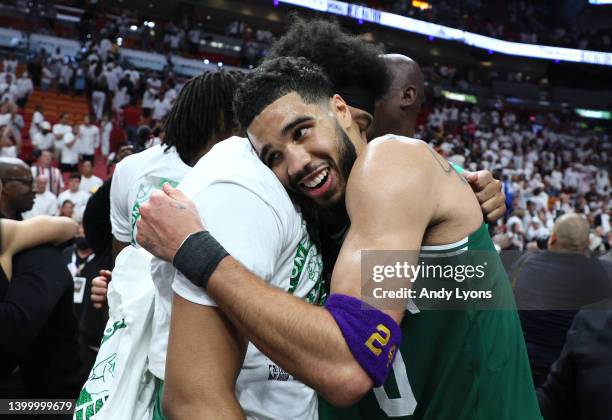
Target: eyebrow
{"x":297,"y":121}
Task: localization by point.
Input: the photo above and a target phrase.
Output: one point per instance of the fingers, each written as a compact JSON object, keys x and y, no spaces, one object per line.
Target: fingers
{"x":494,"y":208}
{"x":106,"y":274}
{"x":491,"y":190}
{"x":470,"y":176}
{"x":99,"y":291}
{"x":176,"y":194}
{"x":481,"y":181}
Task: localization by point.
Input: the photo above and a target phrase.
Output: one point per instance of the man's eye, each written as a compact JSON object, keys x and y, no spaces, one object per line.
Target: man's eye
{"x":300,"y":132}
{"x":273,"y":158}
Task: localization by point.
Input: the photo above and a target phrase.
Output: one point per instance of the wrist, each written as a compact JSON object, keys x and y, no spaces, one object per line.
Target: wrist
{"x":198,"y":257}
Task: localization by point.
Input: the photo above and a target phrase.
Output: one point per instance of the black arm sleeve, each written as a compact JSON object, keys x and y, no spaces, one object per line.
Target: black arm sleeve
{"x":39,"y":280}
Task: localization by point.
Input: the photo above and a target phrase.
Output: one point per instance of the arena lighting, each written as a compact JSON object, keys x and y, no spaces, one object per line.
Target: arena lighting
{"x":133,"y":28}
{"x":423,"y":5}
{"x":599,"y":2}
{"x":592,"y":113}
{"x":407,"y":24}
{"x":461,"y":97}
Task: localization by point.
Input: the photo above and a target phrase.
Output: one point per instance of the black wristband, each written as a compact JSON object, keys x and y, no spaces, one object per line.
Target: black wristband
{"x":198,"y":257}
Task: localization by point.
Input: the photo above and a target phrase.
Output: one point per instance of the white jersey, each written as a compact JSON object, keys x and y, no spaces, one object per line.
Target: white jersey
{"x":134,"y":179}
{"x":248,"y":211}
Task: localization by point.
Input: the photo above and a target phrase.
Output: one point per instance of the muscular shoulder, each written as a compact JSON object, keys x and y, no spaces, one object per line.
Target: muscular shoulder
{"x":393,"y":155}
{"x":392,"y":174}
{"x":390,"y":164}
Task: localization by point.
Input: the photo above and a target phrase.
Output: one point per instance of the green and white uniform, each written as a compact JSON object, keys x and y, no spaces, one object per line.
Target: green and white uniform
{"x":456,"y":364}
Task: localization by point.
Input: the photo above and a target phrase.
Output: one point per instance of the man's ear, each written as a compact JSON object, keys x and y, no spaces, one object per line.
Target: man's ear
{"x":342,"y":111}
{"x":409,"y":96}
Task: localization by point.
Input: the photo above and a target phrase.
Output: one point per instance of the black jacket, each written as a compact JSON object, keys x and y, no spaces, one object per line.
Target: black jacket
{"x":579,"y":385}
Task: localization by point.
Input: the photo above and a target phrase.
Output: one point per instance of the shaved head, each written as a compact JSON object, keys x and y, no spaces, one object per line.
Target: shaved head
{"x":570,"y":234}
{"x":405,"y":72}
{"x":16,"y":195}
{"x":397,"y":111}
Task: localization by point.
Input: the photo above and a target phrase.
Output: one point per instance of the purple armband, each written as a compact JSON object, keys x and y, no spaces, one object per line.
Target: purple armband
{"x":371,"y":335}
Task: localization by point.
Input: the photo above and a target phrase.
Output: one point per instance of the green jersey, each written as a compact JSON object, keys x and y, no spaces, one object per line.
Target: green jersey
{"x":456,"y":364}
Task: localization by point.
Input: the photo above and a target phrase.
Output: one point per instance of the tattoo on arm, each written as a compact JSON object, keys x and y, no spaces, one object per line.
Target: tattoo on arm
{"x":450,"y":169}
{"x":177,"y":205}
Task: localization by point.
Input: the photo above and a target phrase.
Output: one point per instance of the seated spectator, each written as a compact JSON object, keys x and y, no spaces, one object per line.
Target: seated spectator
{"x":75,"y":195}
{"x":551,"y":286}
{"x":89,"y":182}
{"x":45,"y":203}
{"x":578,"y":385}
{"x":55,"y":180}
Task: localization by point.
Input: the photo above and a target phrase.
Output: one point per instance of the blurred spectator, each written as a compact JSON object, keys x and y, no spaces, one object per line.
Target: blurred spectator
{"x":45,"y":203}
{"x":55,"y":180}
{"x":37,"y":119}
{"x":25,"y":86}
{"x":9,"y":64}
{"x":75,"y":195}
{"x":8,"y":144}
{"x":89,"y":182}
{"x":89,"y":139}
{"x":44,"y":139}
{"x":551,"y":286}
{"x":67,"y":209}
{"x":70,"y":147}
{"x":106,"y":126}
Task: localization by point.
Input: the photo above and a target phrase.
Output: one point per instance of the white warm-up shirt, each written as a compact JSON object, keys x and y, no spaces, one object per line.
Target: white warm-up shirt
{"x":248,"y":211}
{"x":134,"y":179}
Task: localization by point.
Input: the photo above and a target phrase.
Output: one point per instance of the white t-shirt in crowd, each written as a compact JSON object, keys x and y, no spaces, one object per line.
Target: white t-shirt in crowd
{"x":45,"y":204}
{"x":248,"y":211}
{"x":60,"y":129}
{"x":79,"y":199}
{"x":134,"y":179}
{"x":37,"y":119}
{"x":160,"y":109}
{"x":43,"y":141}
{"x":89,"y":185}
{"x":89,"y":139}
{"x":70,"y":149}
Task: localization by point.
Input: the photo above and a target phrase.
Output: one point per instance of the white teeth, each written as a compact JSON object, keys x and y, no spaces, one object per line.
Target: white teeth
{"x":316,"y":180}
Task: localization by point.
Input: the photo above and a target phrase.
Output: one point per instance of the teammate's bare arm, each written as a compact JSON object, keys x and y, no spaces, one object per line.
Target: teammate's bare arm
{"x":17,"y":236}
{"x":205,"y":354}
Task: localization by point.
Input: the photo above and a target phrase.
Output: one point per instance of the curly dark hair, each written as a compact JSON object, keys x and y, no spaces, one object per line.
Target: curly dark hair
{"x":346,"y":59}
{"x":202,"y":109}
{"x":276,"y":78}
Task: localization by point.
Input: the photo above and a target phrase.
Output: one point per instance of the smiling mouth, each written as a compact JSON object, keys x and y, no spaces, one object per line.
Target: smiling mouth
{"x":316,"y":181}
